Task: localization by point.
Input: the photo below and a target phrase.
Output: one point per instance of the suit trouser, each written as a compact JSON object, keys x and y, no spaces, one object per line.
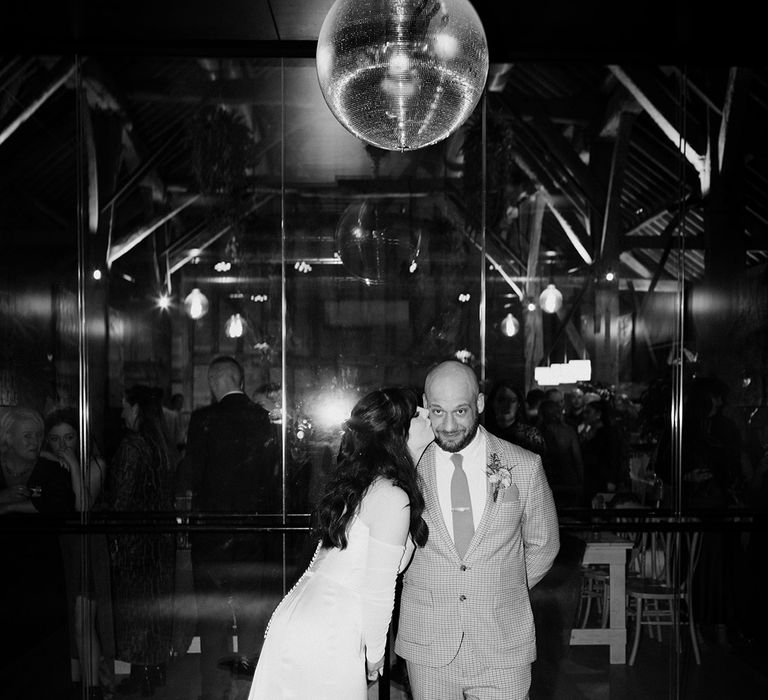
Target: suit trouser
{"x":468,"y":678}
{"x":232,"y":591}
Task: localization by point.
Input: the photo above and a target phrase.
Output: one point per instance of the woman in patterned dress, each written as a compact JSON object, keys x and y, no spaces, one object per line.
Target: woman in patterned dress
{"x":140,"y":480}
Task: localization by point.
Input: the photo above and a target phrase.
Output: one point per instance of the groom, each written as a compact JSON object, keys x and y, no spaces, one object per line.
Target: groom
{"x":466,"y":626}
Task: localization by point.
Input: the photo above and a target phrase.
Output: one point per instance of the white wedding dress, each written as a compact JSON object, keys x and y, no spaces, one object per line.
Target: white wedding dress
{"x":339,"y":611}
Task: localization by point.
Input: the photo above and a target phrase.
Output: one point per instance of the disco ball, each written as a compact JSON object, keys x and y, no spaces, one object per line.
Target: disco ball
{"x":377,"y":241}
{"x":402,"y":74}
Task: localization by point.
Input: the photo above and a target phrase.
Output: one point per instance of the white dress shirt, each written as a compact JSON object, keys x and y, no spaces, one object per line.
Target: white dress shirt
{"x":474,"y":468}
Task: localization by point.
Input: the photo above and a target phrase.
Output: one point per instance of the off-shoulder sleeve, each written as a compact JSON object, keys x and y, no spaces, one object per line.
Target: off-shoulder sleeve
{"x":386,"y":511}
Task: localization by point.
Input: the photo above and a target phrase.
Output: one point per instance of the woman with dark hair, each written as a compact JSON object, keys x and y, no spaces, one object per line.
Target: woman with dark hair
{"x":330,"y":631}
{"x":90,"y":623}
{"x":33,"y":601}
{"x":140,"y":481}
{"x":505,"y":418}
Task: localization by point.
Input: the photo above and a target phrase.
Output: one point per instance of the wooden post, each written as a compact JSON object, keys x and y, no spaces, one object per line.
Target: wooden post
{"x":532,"y":326}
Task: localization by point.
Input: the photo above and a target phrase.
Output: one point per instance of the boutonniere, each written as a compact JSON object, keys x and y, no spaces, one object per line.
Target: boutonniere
{"x":499,"y":475}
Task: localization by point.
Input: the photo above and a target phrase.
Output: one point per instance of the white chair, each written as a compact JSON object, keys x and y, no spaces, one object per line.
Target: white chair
{"x":595,"y":586}
{"x":659,"y":585}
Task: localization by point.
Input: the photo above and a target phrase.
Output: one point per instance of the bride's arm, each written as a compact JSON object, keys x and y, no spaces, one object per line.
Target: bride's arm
{"x":386,"y":511}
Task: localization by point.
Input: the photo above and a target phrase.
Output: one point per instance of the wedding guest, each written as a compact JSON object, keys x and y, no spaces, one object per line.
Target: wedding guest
{"x":90,"y":622}
{"x":33,"y":600}
{"x":555,"y":395}
{"x":177,"y":406}
{"x":562,"y":461}
{"x":532,"y":400}
{"x":331,"y":629}
{"x":175,"y":432}
{"x":230,"y":467}
{"x":606,"y":465}
{"x":574,"y":409}
{"x":506,"y":419}
{"x":491,"y":518}
{"x":140,"y":481}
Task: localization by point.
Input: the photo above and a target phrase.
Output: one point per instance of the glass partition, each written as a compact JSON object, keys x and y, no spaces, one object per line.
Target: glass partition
{"x":41,"y":317}
{"x":590,"y":242}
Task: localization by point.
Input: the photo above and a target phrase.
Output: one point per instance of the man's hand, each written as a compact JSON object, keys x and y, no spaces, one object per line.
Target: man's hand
{"x":375,"y":669}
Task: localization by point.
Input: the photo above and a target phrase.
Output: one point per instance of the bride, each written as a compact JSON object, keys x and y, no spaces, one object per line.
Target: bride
{"x":328,"y":634}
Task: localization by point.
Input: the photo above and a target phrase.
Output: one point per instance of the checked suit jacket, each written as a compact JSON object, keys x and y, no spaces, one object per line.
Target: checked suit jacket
{"x":485,"y":595}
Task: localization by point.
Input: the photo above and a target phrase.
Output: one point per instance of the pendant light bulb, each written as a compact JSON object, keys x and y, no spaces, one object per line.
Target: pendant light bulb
{"x":510,"y":326}
{"x":551,"y":299}
{"x":235,"y":326}
{"x":196,"y":304}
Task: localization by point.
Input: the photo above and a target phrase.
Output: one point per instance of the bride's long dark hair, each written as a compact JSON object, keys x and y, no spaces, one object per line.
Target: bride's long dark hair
{"x":374,"y":445}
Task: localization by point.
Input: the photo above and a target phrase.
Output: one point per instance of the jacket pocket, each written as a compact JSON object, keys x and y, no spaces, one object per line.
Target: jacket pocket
{"x":416,"y":616}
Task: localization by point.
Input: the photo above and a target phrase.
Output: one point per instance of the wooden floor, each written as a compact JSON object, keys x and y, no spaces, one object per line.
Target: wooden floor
{"x":727,"y":671}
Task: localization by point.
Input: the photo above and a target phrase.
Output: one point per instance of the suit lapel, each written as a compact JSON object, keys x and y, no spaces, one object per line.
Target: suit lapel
{"x":490,"y":505}
{"x":431,"y":501}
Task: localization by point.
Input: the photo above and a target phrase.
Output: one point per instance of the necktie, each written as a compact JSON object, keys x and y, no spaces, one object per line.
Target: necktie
{"x":461,"y":507}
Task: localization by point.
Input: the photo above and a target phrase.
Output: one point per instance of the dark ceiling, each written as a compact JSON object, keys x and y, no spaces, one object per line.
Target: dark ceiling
{"x":659,"y":31}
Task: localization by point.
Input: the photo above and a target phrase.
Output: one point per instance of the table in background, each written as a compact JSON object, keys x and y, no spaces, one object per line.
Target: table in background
{"x":610,"y":549}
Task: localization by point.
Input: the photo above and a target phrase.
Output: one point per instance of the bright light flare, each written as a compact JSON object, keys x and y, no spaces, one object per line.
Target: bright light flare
{"x":331,"y":408}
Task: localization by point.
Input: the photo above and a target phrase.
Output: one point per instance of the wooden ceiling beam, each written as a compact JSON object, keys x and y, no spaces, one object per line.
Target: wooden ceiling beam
{"x":731,"y":141}
{"x":534,"y":243}
{"x":620,"y":102}
{"x":534,"y":161}
{"x":103,"y":94}
{"x":496,"y":252}
{"x":630,"y":261}
{"x":612,"y":209}
{"x":577,"y":341}
{"x":64,"y":74}
{"x":575,"y":233}
{"x":646,"y":88}
{"x":656,"y":242}
{"x":206,"y":238}
{"x":92,"y":165}
{"x":558,"y":147}
{"x":126,"y":243}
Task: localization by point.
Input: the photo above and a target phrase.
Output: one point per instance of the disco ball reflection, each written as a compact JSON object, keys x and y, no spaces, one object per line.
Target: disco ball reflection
{"x":377,"y":240}
{"x":402,"y":74}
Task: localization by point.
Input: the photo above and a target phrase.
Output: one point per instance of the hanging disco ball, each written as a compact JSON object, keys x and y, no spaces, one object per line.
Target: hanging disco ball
{"x":377,"y":241}
{"x":402,"y":74}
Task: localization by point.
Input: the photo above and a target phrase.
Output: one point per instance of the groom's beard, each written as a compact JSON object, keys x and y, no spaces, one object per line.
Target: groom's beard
{"x":458,"y":439}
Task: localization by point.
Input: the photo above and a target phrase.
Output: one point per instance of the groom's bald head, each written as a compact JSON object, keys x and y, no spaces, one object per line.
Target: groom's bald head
{"x":452,"y":396}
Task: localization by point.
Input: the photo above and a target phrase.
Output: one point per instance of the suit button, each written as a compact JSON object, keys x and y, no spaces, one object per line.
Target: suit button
{"x":463,"y":567}
{"x":462,"y":597}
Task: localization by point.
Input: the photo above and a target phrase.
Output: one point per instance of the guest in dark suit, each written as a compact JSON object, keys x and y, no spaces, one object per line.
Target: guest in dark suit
{"x":603,"y":451}
{"x":562,"y":461}
{"x":229,"y":468}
